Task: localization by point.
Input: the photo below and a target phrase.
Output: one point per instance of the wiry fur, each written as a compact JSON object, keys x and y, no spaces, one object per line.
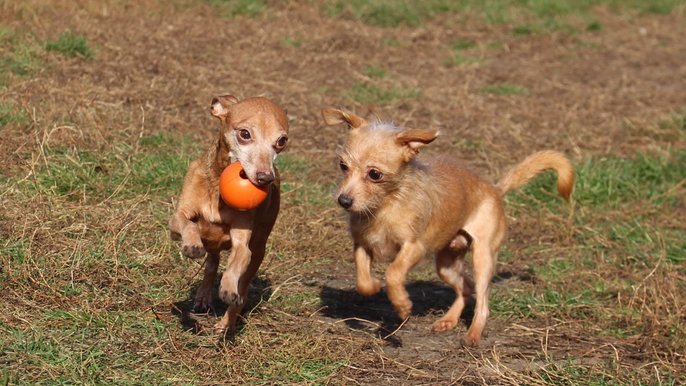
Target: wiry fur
{"x":420,"y":208}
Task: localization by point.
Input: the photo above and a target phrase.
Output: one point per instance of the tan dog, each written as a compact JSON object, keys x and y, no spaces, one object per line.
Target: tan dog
{"x":403,"y":209}
{"x":253,"y":131}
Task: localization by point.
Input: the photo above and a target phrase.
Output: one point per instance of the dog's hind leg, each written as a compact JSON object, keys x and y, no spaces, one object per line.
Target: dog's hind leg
{"x":450,"y":266}
{"x":484,"y":268}
{"x":203,"y":297}
{"x":487,"y":228}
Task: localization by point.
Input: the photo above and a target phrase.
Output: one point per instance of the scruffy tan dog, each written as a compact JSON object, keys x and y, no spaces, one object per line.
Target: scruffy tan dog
{"x":253,"y":131}
{"x":403,"y":209}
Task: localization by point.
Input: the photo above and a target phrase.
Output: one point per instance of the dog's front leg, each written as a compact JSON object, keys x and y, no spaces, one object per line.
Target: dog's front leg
{"x":366,"y":284}
{"x":409,"y":255}
{"x":236,"y":266}
{"x":191,"y":243}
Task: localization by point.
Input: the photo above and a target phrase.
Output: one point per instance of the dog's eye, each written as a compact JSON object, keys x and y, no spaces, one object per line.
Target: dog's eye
{"x":343,"y":166}
{"x":281,"y":142}
{"x":244,"y":134}
{"x":375,"y":175}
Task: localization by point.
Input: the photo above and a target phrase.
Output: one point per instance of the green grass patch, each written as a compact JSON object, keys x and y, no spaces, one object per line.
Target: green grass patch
{"x":302,"y":367}
{"x":375,"y":72}
{"x":567,"y":371}
{"x":554,"y":269}
{"x":235,"y":8}
{"x":622,"y":229}
{"x":12,"y":255}
{"x":367,"y":93}
{"x":157,"y":166}
{"x":308,"y":194}
{"x":524,"y":30}
{"x":80,"y":347}
{"x":394,"y":13}
{"x":294,"y":302}
{"x":289,"y":41}
{"x":457,"y":59}
{"x":463,"y":44}
{"x":22,"y":60}
{"x":8,"y":115}
{"x":297,"y":189}
{"x":542,"y":14}
{"x":594,"y":26}
{"x":551,"y":301}
{"x":660,"y":7}
{"x":613,"y":182}
{"x":17,"y":55}
{"x":630,"y":194}
{"x":71,"y":44}
{"x":382,"y":13}
{"x":375,"y":90}
{"x":505,"y":89}
{"x":458,"y":56}
{"x":290,"y":164}
{"x":14,"y":251}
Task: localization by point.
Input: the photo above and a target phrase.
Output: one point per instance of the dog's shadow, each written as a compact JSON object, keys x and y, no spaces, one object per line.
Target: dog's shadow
{"x":375,"y":313}
{"x":196,"y":323}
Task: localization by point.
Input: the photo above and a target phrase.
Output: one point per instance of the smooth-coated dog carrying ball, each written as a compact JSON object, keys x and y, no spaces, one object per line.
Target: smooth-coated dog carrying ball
{"x":237,"y":191}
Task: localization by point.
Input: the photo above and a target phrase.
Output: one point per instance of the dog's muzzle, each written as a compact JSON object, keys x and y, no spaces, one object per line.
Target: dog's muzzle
{"x":345,"y":201}
{"x":264,"y":178}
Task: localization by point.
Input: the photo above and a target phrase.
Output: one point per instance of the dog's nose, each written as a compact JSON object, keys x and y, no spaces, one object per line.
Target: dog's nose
{"x":345,"y":201}
{"x":264,"y":178}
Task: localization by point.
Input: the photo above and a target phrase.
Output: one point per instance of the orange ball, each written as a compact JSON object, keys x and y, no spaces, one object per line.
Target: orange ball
{"x":237,"y":191}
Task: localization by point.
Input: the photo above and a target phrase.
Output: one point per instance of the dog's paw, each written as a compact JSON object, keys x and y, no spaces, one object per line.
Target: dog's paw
{"x":231,"y":298}
{"x":222,"y":326}
{"x":203,"y":301}
{"x":193,"y":251}
{"x":470,"y":341}
{"x":443,"y":324}
{"x":403,"y":310}
{"x":369,"y":288}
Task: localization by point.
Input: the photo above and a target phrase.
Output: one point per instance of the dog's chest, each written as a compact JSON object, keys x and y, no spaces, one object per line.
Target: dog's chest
{"x":382,"y":241}
{"x":216,"y":212}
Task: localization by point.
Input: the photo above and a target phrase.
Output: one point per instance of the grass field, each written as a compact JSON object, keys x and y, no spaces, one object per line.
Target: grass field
{"x":105,"y":103}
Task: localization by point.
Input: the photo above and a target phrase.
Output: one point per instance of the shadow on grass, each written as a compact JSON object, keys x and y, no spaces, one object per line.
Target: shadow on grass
{"x":193,"y":322}
{"x":376,"y":312}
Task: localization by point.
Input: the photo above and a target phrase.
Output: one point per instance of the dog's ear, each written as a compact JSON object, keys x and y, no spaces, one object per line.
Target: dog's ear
{"x":334,"y":117}
{"x":413,"y":139}
{"x":220,"y":105}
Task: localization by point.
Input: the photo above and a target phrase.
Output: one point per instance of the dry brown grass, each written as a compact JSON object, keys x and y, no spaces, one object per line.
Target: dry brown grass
{"x":93,"y":291}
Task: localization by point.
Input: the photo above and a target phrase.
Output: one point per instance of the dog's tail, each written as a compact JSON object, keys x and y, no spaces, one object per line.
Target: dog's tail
{"x":535,"y":164}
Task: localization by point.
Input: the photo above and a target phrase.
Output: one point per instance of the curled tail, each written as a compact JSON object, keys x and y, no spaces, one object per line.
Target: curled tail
{"x":535,"y":164}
